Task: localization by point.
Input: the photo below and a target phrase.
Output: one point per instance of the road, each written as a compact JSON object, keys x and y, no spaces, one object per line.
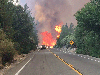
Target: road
{"x":57,"y":62}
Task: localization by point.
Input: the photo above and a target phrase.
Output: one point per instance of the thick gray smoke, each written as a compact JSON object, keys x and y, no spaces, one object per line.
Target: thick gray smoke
{"x":49,"y":13}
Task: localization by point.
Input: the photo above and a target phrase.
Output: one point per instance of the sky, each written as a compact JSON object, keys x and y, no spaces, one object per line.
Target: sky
{"x":23,"y":2}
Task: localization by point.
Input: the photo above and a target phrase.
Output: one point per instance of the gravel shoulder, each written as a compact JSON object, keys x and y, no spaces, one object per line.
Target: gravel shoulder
{"x":17,"y":60}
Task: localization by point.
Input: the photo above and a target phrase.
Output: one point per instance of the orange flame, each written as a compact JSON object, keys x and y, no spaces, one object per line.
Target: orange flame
{"x":58,"y":29}
{"x":47,"y":39}
{"x":58,"y":36}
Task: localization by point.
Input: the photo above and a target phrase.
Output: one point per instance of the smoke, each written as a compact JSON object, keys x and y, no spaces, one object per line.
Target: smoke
{"x":49,"y":13}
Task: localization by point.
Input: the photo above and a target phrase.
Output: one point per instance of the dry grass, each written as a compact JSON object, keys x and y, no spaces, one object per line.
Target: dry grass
{"x":17,"y":59}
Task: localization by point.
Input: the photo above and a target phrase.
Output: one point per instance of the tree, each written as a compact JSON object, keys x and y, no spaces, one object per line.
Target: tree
{"x":23,"y":28}
{"x":7,"y":50}
{"x":71,"y":30}
{"x":6,"y":17}
{"x":17,"y":30}
{"x":88,"y":17}
{"x":63,"y":33}
{"x":66,"y":35}
{"x":87,"y":31}
{"x":18,"y":25}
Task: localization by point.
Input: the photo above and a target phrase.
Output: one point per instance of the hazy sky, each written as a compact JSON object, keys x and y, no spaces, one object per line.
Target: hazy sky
{"x":22,"y":2}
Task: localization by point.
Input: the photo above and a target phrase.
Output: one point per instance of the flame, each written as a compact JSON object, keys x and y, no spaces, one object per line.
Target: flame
{"x":51,"y":46}
{"x":58,"y":29}
{"x":47,"y":39}
{"x":58,"y":35}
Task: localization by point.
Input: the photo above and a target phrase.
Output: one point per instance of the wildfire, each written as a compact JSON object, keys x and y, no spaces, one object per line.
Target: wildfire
{"x":47,"y":39}
{"x":58,"y":29}
{"x":58,"y":36}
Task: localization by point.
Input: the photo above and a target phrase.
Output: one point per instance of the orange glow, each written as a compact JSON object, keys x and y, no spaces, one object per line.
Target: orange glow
{"x":51,"y":46}
{"x":58,"y":36}
{"x":58,"y":29}
{"x":53,"y":43}
{"x":47,"y":39}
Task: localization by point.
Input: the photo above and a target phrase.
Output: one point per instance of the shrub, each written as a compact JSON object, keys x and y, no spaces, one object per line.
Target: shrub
{"x":17,"y":47}
{"x":7,"y":50}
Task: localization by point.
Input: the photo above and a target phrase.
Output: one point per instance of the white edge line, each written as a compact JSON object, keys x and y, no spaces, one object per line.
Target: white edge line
{"x":23,"y":67}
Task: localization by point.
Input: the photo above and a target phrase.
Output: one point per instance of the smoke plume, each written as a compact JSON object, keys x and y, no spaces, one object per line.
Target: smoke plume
{"x":49,"y":13}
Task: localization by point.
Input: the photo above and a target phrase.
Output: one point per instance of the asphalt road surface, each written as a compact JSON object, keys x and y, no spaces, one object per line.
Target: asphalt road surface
{"x":56,"y":62}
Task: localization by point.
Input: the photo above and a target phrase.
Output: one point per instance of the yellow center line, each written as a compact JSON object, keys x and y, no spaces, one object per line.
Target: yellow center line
{"x":71,"y":66}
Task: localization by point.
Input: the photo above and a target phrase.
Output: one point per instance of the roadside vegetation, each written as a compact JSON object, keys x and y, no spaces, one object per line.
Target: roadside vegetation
{"x":66,"y":35}
{"x":86,"y":35}
{"x":17,"y":31}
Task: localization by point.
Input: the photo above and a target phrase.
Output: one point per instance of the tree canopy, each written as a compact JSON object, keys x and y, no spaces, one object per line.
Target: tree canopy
{"x":66,"y":35}
{"x":18,"y":29}
{"x":87,"y":32}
